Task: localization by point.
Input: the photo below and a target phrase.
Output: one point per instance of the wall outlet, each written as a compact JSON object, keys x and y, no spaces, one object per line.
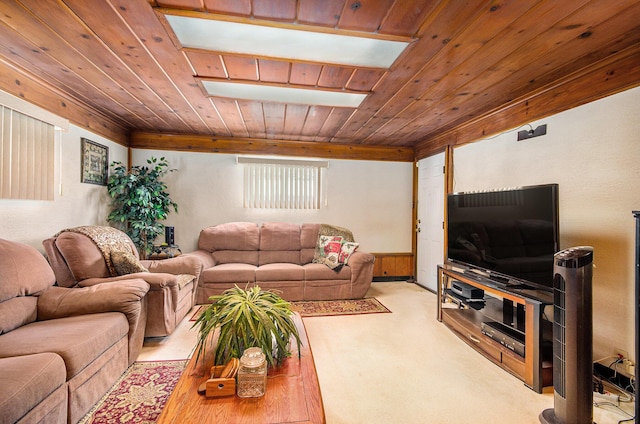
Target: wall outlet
{"x":629,"y":366}
{"x":620,"y":353}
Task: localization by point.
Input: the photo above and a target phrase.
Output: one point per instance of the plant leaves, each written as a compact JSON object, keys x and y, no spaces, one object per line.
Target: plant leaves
{"x":247,"y":318}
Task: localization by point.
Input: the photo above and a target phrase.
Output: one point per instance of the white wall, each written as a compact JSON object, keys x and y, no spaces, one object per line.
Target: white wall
{"x":593,"y":153}
{"x":74,"y":203}
{"x":372,"y":199}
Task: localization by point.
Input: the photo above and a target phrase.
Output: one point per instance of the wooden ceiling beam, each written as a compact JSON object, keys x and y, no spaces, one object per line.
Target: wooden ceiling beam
{"x":213,"y":144}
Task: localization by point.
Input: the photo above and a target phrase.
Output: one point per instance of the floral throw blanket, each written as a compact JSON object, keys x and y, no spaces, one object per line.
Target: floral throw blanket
{"x":108,"y":239}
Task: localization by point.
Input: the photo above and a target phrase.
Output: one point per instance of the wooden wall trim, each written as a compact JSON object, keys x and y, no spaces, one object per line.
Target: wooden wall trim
{"x":18,"y":83}
{"x":617,"y":73}
{"x":213,"y":144}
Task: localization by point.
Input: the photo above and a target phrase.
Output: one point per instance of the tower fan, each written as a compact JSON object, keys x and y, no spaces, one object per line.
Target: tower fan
{"x":572,"y":338}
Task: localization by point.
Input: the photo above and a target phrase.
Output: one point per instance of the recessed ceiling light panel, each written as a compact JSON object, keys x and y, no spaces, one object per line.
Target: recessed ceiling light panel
{"x":278,"y":94}
{"x":286,"y":43}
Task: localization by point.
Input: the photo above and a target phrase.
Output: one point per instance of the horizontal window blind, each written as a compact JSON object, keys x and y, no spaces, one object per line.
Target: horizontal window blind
{"x":283,"y":184}
{"x":26,"y":156}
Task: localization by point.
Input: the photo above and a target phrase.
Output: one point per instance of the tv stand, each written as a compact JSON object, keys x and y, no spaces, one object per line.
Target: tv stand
{"x":506,"y":326}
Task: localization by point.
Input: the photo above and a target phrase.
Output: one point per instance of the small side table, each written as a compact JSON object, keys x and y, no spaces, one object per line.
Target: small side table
{"x":165,"y":251}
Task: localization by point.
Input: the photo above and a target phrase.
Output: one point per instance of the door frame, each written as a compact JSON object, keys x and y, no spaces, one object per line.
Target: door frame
{"x":448,"y":188}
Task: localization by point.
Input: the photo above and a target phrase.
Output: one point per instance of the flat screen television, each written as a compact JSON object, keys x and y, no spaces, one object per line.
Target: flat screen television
{"x":509,"y":236}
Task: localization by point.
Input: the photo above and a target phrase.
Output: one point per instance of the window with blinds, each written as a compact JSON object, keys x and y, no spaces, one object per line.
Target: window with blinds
{"x":26,"y":156}
{"x":284,"y":184}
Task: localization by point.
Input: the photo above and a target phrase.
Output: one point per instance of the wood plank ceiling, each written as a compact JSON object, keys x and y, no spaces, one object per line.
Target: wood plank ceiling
{"x":474,"y":68}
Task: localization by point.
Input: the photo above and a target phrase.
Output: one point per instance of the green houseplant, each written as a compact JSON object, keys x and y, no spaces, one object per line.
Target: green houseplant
{"x":140,"y":201}
{"x":247,"y":318}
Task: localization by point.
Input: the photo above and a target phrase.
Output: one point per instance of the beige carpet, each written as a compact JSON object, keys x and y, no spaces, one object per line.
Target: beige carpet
{"x":404,"y":367}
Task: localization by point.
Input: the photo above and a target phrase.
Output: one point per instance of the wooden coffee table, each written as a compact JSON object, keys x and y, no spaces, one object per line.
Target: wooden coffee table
{"x":292,"y":396}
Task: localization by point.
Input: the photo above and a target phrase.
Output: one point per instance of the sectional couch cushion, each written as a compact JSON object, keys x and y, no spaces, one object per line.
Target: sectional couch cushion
{"x":81,"y":256}
{"x":26,"y":381}
{"x":239,"y":272}
{"x":308,"y":242}
{"x":282,"y":271}
{"x":319,"y":272}
{"x":77,"y":340}
{"x":235,"y":242}
{"x":18,"y":296}
{"x":279,"y":243}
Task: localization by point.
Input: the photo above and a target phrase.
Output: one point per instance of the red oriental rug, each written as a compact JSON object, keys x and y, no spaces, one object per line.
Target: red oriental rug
{"x":323,"y":308}
{"x":139,"y":395}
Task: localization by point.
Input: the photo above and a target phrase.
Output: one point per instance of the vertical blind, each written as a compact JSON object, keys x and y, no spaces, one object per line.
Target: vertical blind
{"x":283,"y":184}
{"x":26,"y":156}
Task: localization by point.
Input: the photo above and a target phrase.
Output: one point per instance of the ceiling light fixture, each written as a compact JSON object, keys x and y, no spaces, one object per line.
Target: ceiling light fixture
{"x":282,"y":94}
{"x":284,"y":41}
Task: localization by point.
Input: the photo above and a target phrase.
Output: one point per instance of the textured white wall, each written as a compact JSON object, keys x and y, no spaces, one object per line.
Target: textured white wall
{"x":593,"y":153}
{"x":372,"y":199}
{"x":75,"y":203}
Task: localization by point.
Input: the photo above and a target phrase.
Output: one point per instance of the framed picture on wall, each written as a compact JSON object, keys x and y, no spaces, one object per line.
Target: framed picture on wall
{"x":95,"y":162}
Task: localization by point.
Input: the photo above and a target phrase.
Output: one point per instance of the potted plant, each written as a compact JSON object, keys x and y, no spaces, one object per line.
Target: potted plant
{"x":247,"y":318}
{"x":140,"y":201}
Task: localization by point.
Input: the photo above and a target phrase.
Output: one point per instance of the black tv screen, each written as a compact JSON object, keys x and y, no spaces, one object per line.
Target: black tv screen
{"x":510,"y":235}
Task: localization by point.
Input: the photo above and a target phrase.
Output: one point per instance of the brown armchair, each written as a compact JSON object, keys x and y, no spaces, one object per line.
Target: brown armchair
{"x":86,"y":256}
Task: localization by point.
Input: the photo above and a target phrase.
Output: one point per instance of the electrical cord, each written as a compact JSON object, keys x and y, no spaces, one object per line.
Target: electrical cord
{"x":629,"y":389}
{"x":617,"y":408}
{"x":605,"y":385}
{"x":605,"y":358}
{"x":615,"y":369}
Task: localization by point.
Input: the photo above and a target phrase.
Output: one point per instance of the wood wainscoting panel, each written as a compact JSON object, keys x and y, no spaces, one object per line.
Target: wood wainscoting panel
{"x":393,"y":266}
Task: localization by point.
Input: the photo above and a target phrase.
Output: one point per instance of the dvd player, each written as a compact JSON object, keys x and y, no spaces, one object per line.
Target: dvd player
{"x":505,"y":335}
{"x":466,"y":290}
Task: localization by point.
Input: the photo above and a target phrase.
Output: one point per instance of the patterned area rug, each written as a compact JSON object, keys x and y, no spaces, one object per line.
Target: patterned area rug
{"x":323,"y":308}
{"x":139,"y":395}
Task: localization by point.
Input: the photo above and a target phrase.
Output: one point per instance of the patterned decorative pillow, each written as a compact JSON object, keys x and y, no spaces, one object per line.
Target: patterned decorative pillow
{"x":334,"y":251}
{"x":126,"y":263}
{"x":328,"y":251}
{"x":327,"y":230}
{"x":346,"y":250}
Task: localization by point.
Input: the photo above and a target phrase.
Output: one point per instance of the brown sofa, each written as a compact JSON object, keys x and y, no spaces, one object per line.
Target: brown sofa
{"x":77,"y":260}
{"x":276,"y":256}
{"x":61,"y":349}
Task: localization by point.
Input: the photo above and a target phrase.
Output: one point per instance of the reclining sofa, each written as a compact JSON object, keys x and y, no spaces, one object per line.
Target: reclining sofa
{"x":61,"y":349}
{"x":79,"y":259}
{"x":279,"y":257}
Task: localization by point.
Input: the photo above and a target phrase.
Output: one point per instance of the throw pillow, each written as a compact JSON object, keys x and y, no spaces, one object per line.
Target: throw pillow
{"x":327,"y":230}
{"x":346,"y":249}
{"x":126,"y":263}
{"x":328,"y":251}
